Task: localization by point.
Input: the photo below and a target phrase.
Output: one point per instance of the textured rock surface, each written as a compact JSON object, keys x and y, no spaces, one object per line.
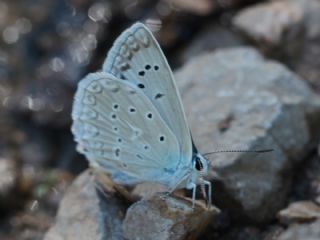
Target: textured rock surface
{"x":276,"y":27}
{"x":164,"y":217}
{"x":255,"y":104}
{"x":303,"y":211}
{"x":310,"y":8}
{"x":270,"y":22}
{"x":308,"y":64}
{"x":288,"y":30}
{"x":212,"y":37}
{"x":88,"y":213}
{"x":147,"y":190}
{"x":307,"y":181}
{"x":302,"y":232}
{"x":201,"y":7}
{"x":85,"y":213}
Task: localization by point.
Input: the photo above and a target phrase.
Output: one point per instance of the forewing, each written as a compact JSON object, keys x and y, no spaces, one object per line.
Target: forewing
{"x":118,"y":129}
{"x":137,"y":57}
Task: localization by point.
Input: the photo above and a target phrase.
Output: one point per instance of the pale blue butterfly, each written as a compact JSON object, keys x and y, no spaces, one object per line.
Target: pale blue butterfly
{"x":129,"y":120}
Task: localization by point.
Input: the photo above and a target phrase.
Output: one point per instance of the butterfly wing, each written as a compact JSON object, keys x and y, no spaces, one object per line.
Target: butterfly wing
{"x":118,"y":129}
{"x":137,"y":57}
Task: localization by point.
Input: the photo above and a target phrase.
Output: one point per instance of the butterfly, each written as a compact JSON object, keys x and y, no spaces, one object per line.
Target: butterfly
{"x":129,"y":120}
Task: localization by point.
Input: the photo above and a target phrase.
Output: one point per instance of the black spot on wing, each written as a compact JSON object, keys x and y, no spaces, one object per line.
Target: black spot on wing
{"x":140,"y":85}
{"x":158,"y":95}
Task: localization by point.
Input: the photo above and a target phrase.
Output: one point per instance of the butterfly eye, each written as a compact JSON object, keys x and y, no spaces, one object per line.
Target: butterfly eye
{"x":198,"y":164}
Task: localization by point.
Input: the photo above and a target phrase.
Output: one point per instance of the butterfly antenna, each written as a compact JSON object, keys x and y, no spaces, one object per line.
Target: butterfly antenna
{"x":240,"y":150}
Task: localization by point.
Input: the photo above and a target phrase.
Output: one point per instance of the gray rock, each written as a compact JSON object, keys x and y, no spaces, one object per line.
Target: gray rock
{"x":311,"y":9}
{"x":236,"y":99}
{"x":201,"y":7}
{"x":276,"y":27}
{"x":308,"y":64}
{"x":307,"y":182}
{"x":270,"y":22}
{"x":302,"y":211}
{"x":86,"y":213}
{"x":164,"y":217}
{"x":302,"y":232}
{"x":148,"y":189}
{"x":288,"y":30}
{"x":212,"y":37}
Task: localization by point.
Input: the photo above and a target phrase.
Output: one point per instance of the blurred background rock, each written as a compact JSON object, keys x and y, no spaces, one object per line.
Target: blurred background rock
{"x":248,"y":71}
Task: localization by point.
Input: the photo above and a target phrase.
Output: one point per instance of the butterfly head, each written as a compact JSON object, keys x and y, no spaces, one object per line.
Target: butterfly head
{"x":199,"y":170}
{"x":200,"y":166}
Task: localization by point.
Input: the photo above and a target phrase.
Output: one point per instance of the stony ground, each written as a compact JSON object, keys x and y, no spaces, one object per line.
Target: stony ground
{"x":249,"y":75}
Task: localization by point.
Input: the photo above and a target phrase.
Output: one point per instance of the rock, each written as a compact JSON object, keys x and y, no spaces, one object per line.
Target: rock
{"x":261,"y":105}
{"x":212,"y":37}
{"x":302,"y":232}
{"x":307,"y":182}
{"x":86,"y":213}
{"x":304,"y":211}
{"x":247,"y":233}
{"x":272,"y":232}
{"x":277,"y":20}
{"x":308,"y":63}
{"x":164,"y":217}
{"x":201,"y":7}
{"x":100,"y":213}
{"x":277,"y":27}
{"x":310,"y":8}
{"x":289,"y":31}
{"x":148,"y":189}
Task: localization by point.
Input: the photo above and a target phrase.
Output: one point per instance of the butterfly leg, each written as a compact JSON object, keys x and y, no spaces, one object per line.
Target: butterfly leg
{"x":203,"y":191}
{"x":194,"y":188}
{"x":209,"y":199}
